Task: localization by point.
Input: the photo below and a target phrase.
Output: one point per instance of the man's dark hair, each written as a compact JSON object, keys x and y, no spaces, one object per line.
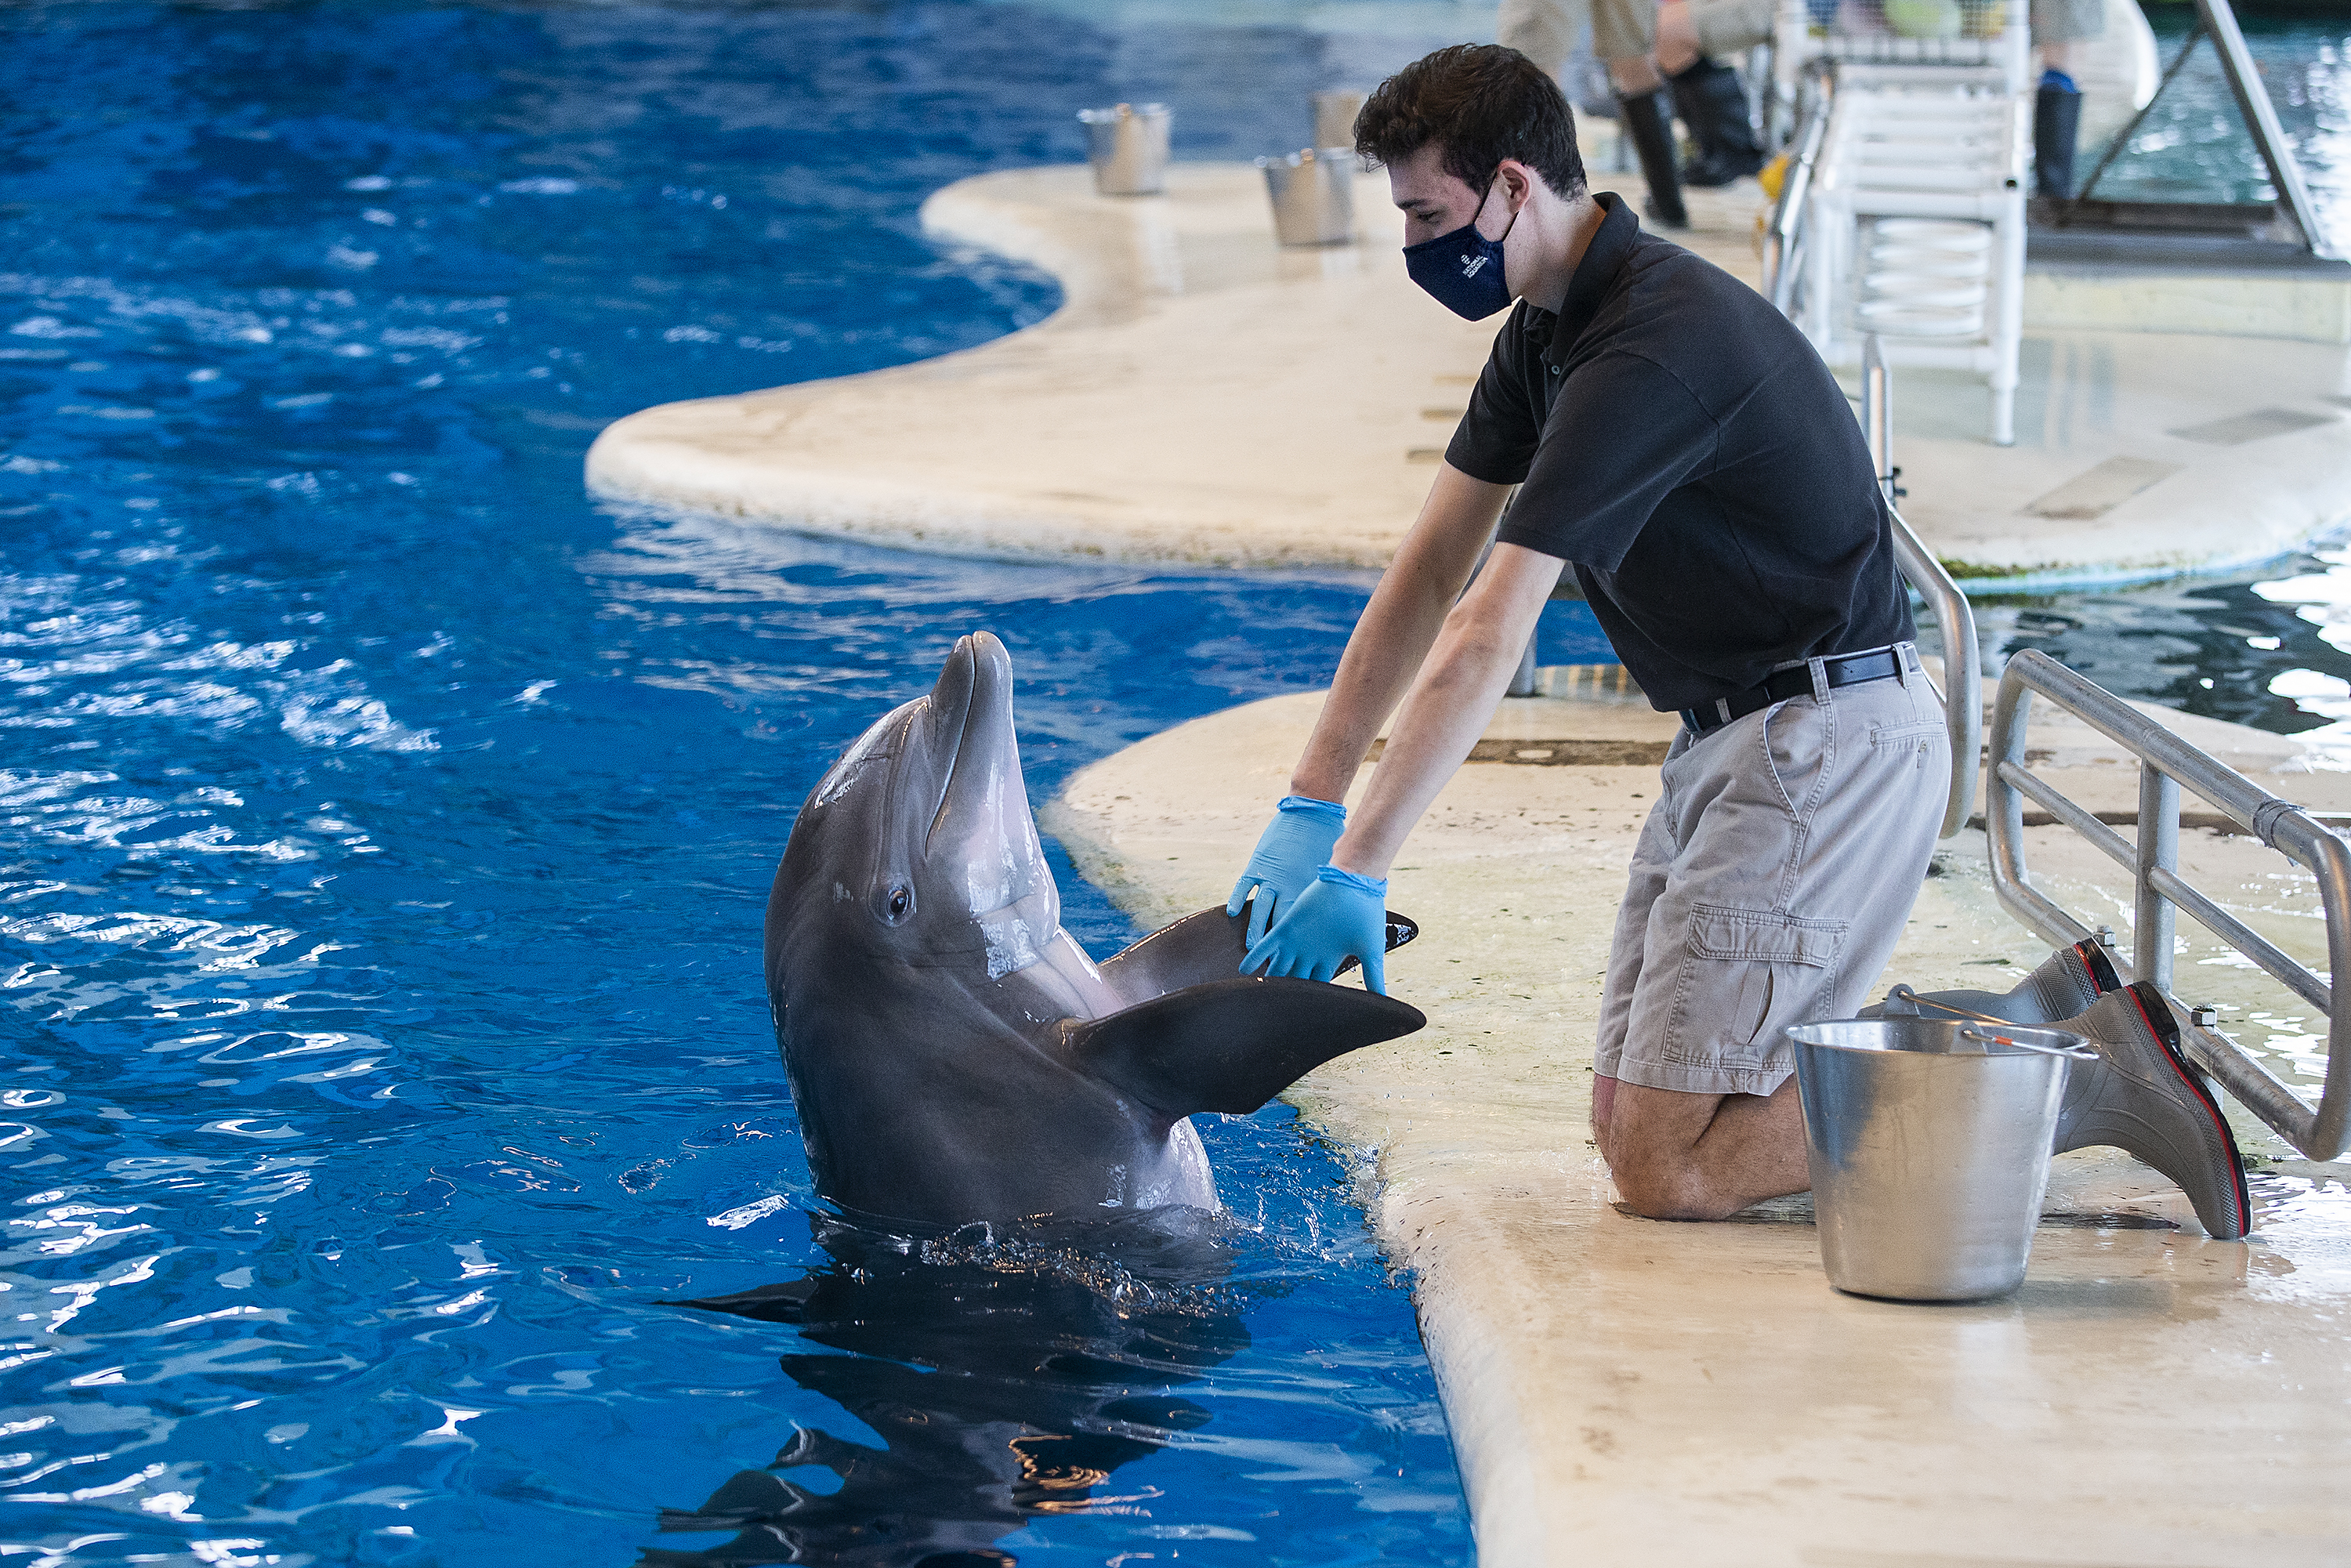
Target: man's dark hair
{"x":1480,"y":103}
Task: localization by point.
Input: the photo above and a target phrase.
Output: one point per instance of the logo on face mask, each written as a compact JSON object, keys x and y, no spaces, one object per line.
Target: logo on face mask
{"x":1470,"y":263}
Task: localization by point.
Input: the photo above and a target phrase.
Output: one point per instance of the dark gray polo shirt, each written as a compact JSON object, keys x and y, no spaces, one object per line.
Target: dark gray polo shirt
{"x":1678,"y":439}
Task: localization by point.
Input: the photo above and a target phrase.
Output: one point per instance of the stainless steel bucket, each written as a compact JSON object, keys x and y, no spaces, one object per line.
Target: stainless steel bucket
{"x":1334,"y":117}
{"x":1313,"y":196}
{"x":1127,"y":145}
{"x":1929,"y":1148}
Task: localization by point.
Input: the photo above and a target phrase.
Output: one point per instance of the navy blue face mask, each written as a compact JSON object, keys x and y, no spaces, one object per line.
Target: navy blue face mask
{"x":1463,"y":270}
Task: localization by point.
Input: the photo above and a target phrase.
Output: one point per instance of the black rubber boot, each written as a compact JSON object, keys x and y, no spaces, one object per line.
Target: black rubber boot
{"x":1714,"y":106}
{"x":2145,"y":1097}
{"x":2056,"y":125}
{"x":2068,"y":982}
{"x":1644,"y":120}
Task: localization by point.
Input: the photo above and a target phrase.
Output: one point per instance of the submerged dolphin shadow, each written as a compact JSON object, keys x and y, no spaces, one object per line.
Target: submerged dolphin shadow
{"x":1006,"y":1378}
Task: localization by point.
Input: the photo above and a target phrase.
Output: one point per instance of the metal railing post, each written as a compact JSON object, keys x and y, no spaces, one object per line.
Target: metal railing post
{"x":1784,"y":234}
{"x":1522,"y":683}
{"x":1877,"y":411}
{"x":2260,"y":118}
{"x":1962,"y":693}
{"x":2158,"y":849}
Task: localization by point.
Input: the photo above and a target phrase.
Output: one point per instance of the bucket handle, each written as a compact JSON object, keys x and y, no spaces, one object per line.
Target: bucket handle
{"x":1904,"y":994}
{"x":2069,"y":1052}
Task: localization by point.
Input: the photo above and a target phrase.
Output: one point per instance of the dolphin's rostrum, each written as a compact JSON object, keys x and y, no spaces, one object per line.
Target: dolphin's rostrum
{"x":954,"y":1054}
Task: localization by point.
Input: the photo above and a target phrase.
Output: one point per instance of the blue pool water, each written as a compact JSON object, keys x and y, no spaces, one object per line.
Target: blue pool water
{"x":384,"y":829}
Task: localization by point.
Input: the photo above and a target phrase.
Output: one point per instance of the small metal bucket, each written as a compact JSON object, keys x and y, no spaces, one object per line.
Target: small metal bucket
{"x":1335,"y":116}
{"x":1929,"y":1147}
{"x":1314,"y":195}
{"x":1127,"y":145}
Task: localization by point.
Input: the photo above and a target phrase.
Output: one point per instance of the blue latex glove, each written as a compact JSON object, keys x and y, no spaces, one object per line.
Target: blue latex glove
{"x":1339,"y":916}
{"x":1293,"y":847}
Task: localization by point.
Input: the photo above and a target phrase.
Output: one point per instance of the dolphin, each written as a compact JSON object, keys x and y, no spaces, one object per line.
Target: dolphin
{"x":953,"y":1053}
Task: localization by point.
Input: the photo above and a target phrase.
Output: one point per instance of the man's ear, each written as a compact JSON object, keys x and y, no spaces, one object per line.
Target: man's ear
{"x":1518,"y":183}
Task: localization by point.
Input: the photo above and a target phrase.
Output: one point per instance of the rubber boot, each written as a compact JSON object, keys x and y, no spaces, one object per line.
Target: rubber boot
{"x":2056,"y":126}
{"x":1642,"y":119}
{"x":2068,"y":982}
{"x":1714,"y":106}
{"x":2144,"y":1097}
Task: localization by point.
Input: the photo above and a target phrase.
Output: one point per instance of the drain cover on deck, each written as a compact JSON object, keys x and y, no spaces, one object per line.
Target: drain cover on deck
{"x":2101,"y":489}
{"x":2253,"y":426}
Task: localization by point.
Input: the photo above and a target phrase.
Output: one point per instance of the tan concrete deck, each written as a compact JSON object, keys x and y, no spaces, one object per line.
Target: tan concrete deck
{"x":1205,"y":397}
{"x":1623,"y":1392}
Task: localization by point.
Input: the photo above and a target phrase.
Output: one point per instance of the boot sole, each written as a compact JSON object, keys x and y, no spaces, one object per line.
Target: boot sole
{"x":2168,"y":1038}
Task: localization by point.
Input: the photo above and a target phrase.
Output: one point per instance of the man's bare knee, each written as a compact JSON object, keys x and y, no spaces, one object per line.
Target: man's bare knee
{"x":1682,"y":1155}
{"x":1677,"y":40}
{"x":1672,"y":1189}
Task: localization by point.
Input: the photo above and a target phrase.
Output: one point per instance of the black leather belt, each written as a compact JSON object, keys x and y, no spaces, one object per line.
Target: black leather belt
{"x":1796,"y":681}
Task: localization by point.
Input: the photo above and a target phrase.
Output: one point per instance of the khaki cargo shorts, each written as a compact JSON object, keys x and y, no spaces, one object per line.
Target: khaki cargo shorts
{"x":1771,"y":883}
{"x":1545,"y":31}
{"x":2068,"y":21}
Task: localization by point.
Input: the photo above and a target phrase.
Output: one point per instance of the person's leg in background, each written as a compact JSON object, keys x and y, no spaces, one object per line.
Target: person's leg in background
{"x":1624,"y":31}
{"x":1691,"y":35}
{"x":1543,"y":30}
{"x":2058,"y":26}
{"x":1546,"y":31}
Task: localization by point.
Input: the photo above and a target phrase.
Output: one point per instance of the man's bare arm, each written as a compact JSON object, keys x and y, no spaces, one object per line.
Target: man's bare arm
{"x":1476,"y":654}
{"x":1395,"y":632}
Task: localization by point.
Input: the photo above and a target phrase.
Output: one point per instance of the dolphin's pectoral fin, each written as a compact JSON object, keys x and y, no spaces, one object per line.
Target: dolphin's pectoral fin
{"x":1199,"y":948}
{"x":1234,"y":1043}
{"x":1193,"y":950}
{"x":750,"y":1497}
{"x":1402,"y":928}
{"x":769,"y":1303}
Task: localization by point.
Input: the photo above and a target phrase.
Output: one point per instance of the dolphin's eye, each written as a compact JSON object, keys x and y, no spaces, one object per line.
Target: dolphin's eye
{"x":901,"y":900}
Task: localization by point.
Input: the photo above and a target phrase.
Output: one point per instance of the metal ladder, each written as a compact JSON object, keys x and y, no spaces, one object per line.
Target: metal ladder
{"x":2167,"y":765}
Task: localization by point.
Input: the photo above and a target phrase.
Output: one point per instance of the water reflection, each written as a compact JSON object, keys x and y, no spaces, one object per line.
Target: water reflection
{"x":2193,"y":145}
{"x":1004,"y":1378}
{"x":2269,"y":647}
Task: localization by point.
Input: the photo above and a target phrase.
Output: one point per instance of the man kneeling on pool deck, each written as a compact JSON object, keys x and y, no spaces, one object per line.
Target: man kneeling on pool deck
{"x":1678,"y":441}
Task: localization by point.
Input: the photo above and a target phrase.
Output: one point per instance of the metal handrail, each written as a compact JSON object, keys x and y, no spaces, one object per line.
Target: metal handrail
{"x":1784,"y":234}
{"x":2166,"y":763}
{"x":1955,"y":622}
{"x":1962,"y":689}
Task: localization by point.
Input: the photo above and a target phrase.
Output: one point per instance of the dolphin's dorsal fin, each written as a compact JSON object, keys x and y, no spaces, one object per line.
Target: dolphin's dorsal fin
{"x":1231,"y":1044}
{"x":1199,"y":948}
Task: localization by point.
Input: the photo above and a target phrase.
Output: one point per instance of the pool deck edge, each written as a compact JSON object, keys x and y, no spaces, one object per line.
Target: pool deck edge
{"x":1624,"y":1391}
{"x":1205,"y":398}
